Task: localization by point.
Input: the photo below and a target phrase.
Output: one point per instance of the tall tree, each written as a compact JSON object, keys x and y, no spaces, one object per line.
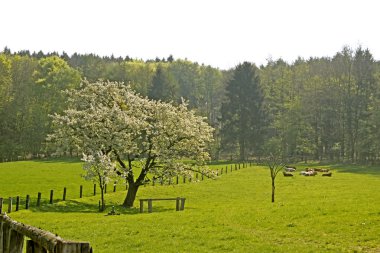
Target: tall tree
{"x":163,"y":86}
{"x":139,"y":135}
{"x":242,"y":113}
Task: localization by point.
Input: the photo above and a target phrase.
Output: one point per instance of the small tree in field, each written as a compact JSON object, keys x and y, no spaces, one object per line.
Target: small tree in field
{"x":100,"y":169}
{"x":275,"y":166}
{"x":138,"y":135}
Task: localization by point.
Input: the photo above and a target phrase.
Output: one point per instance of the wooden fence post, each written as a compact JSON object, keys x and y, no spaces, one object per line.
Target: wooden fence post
{"x":16,"y":241}
{"x":27,"y":202}
{"x":1,"y":206}
{"x":94,"y":189}
{"x":184,"y":179}
{"x":64,"y":194}
{"x":10,"y":204}
{"x":33,"y":247}
{"x":150,"y":208}
{"x":51,"y":196}
{"x":177,"y":204}
{"x":80,"y":191}
{"x":182,"y":204}
{"x":141,"y":206}
{"x":114,"y":186}
{"x":39,"y":199}
{"x":17,"y":203}
{"x":177,"y":179}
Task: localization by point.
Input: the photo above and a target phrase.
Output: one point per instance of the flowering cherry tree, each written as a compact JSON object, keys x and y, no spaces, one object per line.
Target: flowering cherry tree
{"x":140,"y":138}
{"x":100,"y":169}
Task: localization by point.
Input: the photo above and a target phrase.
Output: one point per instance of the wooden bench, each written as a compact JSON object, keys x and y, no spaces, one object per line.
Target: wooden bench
{"x":180,"y":203}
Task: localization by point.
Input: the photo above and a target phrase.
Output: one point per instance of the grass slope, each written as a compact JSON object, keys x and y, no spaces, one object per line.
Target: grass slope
{"x":230,"y":214}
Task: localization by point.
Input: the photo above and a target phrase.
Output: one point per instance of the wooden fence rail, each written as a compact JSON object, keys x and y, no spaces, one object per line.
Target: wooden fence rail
{"x":12,"y":235}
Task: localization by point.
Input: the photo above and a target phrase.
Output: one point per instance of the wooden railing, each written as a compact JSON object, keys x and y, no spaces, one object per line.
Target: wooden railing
{"x":12,"y":235}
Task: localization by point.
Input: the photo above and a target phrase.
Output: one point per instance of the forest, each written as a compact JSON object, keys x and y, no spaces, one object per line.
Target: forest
{"x":321,"y":109}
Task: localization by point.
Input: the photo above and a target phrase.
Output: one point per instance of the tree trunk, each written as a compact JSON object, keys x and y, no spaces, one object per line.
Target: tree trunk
{"x":103,"y":205}
{"x":273,"y":188}
{"x":131,"y":195}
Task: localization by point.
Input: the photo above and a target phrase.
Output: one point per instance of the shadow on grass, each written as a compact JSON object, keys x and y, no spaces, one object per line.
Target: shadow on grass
{"x":357,"y":169}
{"x":73,"y":206}
{"x":57,"y":160}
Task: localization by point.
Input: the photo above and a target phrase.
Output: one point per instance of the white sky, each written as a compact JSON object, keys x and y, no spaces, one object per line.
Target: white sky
{"x":220,"y":33}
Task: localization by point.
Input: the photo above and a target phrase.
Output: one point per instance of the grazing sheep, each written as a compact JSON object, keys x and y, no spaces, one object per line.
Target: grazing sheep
{"x":290,"y":169}
{"x":327,"y":174}
{"x":286,"y":174}
{"x":308,"y":173}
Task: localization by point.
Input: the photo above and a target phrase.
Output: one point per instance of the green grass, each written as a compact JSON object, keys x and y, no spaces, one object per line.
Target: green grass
{"x":230,"y":214}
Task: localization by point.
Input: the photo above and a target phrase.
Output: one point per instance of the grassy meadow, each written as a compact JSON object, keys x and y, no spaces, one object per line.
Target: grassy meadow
{"x":232,"y":213}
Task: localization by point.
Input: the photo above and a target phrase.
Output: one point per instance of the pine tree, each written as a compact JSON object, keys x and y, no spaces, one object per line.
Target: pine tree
{"x":242,"y":113}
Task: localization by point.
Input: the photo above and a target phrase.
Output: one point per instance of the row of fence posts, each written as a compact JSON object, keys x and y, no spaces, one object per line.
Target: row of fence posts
{"x":39,"y":197}
{"x":51,"y":199}
{"x":218,"y":173}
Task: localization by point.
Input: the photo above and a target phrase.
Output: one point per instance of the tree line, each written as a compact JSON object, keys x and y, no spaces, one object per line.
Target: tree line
{"x":320,"y":108}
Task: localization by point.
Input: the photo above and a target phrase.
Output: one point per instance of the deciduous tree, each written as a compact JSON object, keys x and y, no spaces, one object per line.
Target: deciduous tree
{"x":141,"y":136}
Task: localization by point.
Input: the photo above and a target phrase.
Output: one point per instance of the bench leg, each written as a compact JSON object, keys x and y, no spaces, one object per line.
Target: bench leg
{"x":177,"y":204}
{"x":150,"y":209}
{"x":182,"y":204}
{"x":141,"y":206}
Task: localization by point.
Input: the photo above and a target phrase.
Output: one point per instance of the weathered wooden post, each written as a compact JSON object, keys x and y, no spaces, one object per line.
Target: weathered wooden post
{"x":150,"y":208}
{"x":226,"y":169}
{"x":10,"y":204}
{"x":39,"y":199}
{"x":1,"y":206}
{"x":141,"y":206}
{"x":94,"y":189}
{"x":17,"y":202}
{"x":177,"y":204}
{"x":27,"y":202}
{"x":114,"y":186}
{"x":177,"y":179}
{"x":33,"y":247}
{"x":81,"y":191}
{"x":15,"y":241}
{"x":184,"y":179}
{"x":64,"y":194}
{"x":51,"y":197}
{"x":182,"y":204}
